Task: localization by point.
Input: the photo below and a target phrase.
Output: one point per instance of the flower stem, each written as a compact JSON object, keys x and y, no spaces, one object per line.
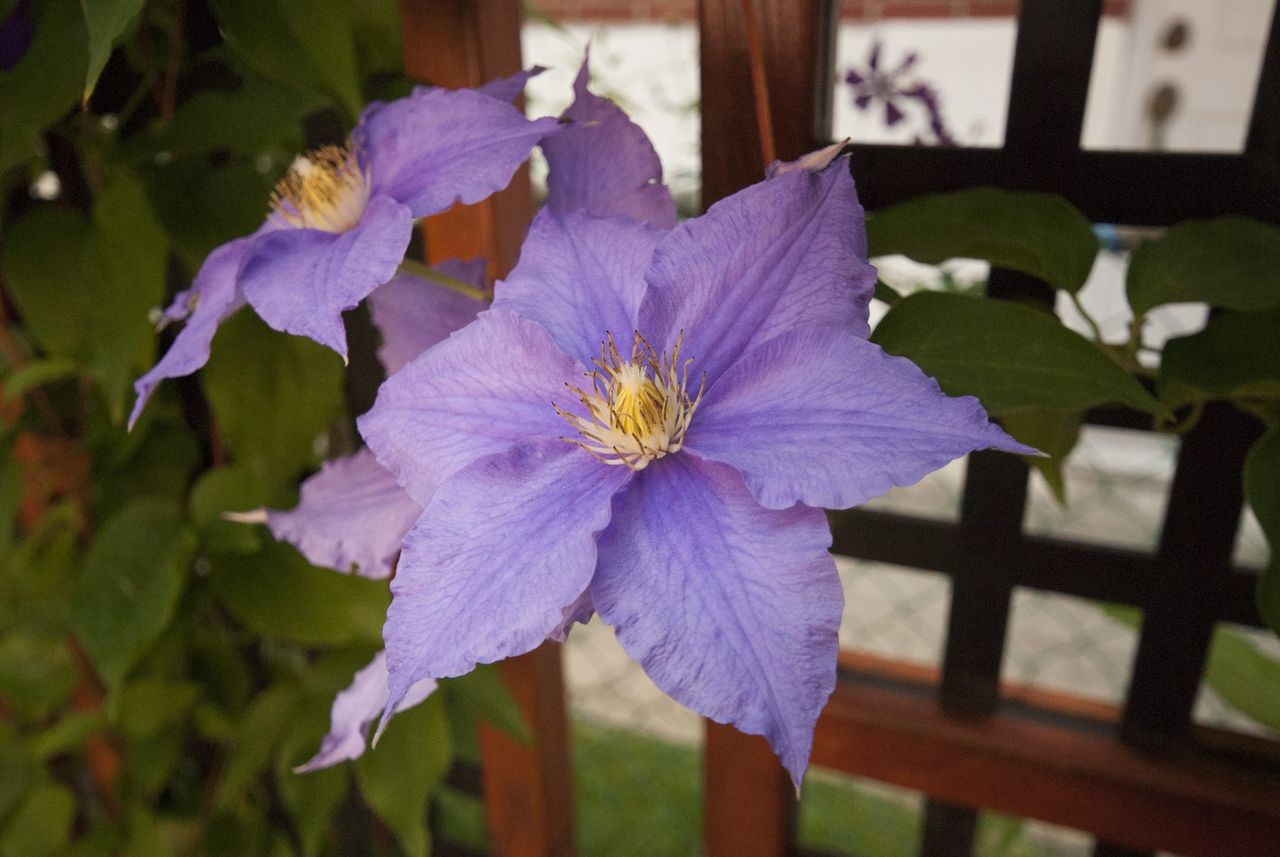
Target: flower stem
{"x":423,"y":272}
{"x":1088,"y":318}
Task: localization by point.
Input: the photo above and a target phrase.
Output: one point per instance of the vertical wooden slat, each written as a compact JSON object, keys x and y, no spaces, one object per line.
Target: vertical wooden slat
{"x":457,"y":43}
{"x":796,"y":40}
{"x":1196,"y":542}
{"x":749,"y":801}
{"x":528,"y":789}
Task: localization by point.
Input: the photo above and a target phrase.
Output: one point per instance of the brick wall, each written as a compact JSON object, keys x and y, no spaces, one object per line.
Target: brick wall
{"x":850,"y":10}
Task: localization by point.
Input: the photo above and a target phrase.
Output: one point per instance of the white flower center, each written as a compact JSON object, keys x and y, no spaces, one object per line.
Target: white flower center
{"x":637,"y":409}
{"x":324,"y":189}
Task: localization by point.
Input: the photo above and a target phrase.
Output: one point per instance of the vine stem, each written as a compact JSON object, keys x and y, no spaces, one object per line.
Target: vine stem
{"x":1088,"y":318}
{"x":417,"y":269}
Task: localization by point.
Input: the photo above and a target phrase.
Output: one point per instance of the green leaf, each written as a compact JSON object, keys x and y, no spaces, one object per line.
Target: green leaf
{"x":148,"y":705}
{"x":18,"y":770}
{"x":1227,"y":262}
{"x":311,"y":798}
{"x":51,"y":267}
{"x":226,"y":489}
{"x":68,"y":734}
{"x":1052,"y":431}
{"x":306,"y":44}
{"x":1245,"y":678}
{"x":1262,"y":491}
{"x":1008,"y":355}
{"x":886,"y":293}
{"x":45,"y":84}
{"x":276,"y":592}
{"x":135,"y":252}
{"x":41,"y":824}
{"x":272,"y":395}
{"x":35,"y":373}
{"x":132,"y":577}
{"x":85,"y":287}
{"x":202,"y":208}
{"x":257,"y":117}
{"x":1237,"y":355}
{"x":157,"y":460}
{"x":1036,"y":233}
{"x":482,"y":695}
{"x":106,"y":20}
{"x":37,"y":673}
{"x":399,"y":776}
{"x":259,"y":733}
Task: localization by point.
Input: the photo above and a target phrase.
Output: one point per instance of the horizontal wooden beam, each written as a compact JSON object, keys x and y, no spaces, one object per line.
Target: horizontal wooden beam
{"x":1096,"y":572}
{"x":884,"y":723}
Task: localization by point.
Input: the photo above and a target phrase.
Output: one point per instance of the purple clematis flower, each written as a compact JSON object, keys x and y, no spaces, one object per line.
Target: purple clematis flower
{"x":649,"y":422}
{"x":342,"y":217}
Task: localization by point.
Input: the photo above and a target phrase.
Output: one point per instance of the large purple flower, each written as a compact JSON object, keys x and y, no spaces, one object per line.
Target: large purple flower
{"x":341,"y":218}
{"x":649,"y":422}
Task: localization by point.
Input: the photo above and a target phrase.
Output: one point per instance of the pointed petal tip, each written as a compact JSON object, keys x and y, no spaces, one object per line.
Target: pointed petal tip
{"x":252,"y":516}
{"x":815,"y":161}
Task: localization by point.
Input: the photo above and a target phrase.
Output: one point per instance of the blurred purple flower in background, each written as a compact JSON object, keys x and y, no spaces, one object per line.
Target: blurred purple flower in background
{"x":713,"y":389}
{"x":895,"y":89}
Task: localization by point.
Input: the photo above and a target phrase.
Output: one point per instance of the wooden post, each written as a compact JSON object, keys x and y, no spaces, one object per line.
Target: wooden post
{"x":528,"y":790}
{"x":749,"y":803}
{"x":748,"y":800}
{"x":457,"y":43}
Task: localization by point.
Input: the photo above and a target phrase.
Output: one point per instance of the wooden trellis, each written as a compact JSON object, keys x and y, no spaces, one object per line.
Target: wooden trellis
{"x":1141,"y":778}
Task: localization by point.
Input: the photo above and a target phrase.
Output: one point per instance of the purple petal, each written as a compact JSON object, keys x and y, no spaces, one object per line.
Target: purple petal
{"x":605,"y":164}
{"x":479,"y":392}
{"x":579,"y":612}
{"x":357,"y":707}
{"x":824,"y":418}
{"x":862,"y":101}
{"x":853,"y":77}
{"x":301,"y":280}
{"x":508,"y":89}
{"x":815,"y":161}
{"x":414,"y":314}
{"x":788,"y":251}
{"x":216,"y":297}
{"x":892,"y":115}
{"x":731,"y":608}
{"x":873,"y":59}
{"x":352,"y":515}
{"x":502,"y":550}
{"x":581,"y":276}
{"x":438,"y":146}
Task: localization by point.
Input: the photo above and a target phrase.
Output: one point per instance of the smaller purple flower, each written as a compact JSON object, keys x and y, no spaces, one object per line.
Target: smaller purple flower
{"x":342,"y":217}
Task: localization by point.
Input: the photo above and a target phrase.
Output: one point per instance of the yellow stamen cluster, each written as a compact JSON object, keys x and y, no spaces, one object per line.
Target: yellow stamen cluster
{"x":638,"y":409}
{"x":324,"y":189}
